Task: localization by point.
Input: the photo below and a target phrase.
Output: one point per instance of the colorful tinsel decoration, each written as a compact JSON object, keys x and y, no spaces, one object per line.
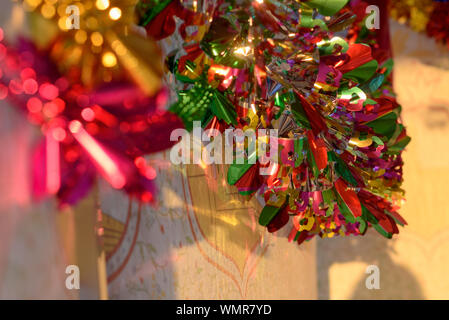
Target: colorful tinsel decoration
{"x":104,"y":126}
{"x":298,"y":67}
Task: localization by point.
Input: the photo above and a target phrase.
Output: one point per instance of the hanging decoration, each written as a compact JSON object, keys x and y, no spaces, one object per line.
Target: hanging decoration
{"x":96,"y":97}
{"x":292,"y":66}
{"x":105,"y":131}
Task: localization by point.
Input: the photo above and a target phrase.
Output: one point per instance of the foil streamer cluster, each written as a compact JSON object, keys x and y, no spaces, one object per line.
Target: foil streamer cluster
{"x":105,"y":131}
{"x":429,"y":16}
{"x":77,"y":88}
{"x":268,"y":64}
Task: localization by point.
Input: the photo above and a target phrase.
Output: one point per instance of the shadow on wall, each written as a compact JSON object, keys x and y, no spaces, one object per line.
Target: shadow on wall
{"x":213,"y":249}
{"x":396,"y":282}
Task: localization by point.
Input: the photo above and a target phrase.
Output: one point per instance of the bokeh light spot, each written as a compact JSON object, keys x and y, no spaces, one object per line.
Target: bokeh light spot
{"x":115,"y":13}
{"x":88,"y":114}
{"x":15,"y":86}
{"x":102,"y":4}
{"x":30,"y":86}
{"x":48,"y":91}
{"x":59,"y":134}
{"x":34,"y":105}
{"x":109,"y":60}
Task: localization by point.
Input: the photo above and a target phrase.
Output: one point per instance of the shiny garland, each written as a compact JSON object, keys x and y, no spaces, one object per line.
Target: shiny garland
{"x":271,"y":64}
